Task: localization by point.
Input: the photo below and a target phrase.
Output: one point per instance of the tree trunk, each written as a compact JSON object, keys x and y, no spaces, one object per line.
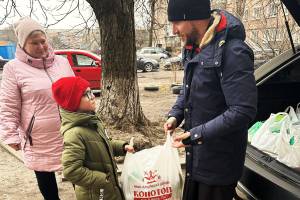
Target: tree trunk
{"x":120,"y":104}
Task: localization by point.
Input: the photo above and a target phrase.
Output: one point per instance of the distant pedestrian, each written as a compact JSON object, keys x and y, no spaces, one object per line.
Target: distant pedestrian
{"x":29,"y":116}
{"x":88,"y":156}
{"x":219,"y":98}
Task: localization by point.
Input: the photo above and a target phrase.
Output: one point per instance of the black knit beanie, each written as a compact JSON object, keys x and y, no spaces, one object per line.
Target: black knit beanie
{"x":181,"y":10}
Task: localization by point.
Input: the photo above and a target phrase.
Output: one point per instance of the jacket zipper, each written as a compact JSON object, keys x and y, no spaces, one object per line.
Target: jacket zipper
{"x":114,"y":169}
{"x":47,"y":71}
{"x":28,"y":131}
{"x":112,"y":159}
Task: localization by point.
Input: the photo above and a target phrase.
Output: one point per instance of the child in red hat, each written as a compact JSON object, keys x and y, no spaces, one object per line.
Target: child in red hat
{"x":88,"y":156}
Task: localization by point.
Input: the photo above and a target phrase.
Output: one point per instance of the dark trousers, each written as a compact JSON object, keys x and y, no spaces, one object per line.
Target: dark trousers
{"x":47,"y":185}
{"x":199,"y":191}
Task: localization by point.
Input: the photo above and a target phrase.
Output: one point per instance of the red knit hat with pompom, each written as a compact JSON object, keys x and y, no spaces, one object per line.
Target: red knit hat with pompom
{"x":68,"y":91}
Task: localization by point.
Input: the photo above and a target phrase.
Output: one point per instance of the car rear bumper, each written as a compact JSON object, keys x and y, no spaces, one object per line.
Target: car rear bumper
{"x":267,"y":178}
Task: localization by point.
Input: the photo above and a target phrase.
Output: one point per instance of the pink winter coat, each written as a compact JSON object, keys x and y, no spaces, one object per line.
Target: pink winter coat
{"x":26,"y":97}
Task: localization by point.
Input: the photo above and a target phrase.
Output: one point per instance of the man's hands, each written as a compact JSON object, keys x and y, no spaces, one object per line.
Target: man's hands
{"x":169,"y":127}
{"x":129,"y":148}
{"x":177,"y":143}
{"x":170,"y":124}
{"x":15,"y":146}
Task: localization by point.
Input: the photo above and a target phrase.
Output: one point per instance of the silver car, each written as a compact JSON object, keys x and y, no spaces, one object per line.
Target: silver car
{"x":155,"y":53}
{"x":173,"y":63}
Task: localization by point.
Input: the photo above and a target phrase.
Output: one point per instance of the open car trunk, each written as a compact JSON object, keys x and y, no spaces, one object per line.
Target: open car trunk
{"x":278,"y":83}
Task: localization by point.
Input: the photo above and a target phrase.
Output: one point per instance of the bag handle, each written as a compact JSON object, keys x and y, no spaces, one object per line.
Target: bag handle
{"x":292,"y":114}
{"x":169,"y":141}
{"x":298,"y":108}
{"x":131,"y":143}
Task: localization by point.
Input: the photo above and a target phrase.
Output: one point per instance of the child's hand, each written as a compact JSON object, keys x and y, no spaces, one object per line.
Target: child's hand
{"x":129,"y":148}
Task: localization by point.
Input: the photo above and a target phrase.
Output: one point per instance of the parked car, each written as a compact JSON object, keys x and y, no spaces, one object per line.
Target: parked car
{"x":174,"y":63}
{"x":153,"y":53}
{"x":84,"y":64}
{"x":147,"y":64}
{"x":2,"y":63}
{"x":278,"y":83}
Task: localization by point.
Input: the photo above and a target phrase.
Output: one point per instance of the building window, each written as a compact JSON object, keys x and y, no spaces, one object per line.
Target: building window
{"x":278,"y":34}
{"x":246,"y":15}
{"x":254,"y":35}
{"x":272,"y":35}
{"x":257,"y":12}
{"x":296,"y":38}
{"x":167,"y":30}
{"x":272,"y":10}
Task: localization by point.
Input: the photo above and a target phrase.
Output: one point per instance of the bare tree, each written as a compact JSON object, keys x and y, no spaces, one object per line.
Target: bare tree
{"x":57,"y":43}
{"x":270,"y":36}
{"x":264,"y":23}
{"x":149,"y":13}
{"x":119,"y":103}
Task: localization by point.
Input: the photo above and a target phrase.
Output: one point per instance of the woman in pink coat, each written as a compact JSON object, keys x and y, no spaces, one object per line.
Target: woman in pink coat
{"x":29,"y":116}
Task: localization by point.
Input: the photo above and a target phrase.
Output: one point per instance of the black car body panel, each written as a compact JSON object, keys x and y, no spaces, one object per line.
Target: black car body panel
{"x":294,"y":8}
{"x":267,"y":178}
{"x":278,"y":84}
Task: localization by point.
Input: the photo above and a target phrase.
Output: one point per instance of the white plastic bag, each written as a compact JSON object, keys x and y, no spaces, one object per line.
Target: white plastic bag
{"x":292,"y":114}
{"x":298,"y":110}
{"x":267,"y":136}
{"x":288,"y":149}
{"x":153,"y":174}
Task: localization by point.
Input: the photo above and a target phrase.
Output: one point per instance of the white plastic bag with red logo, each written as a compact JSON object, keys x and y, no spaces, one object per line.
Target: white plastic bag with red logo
{"x":153,"y":174}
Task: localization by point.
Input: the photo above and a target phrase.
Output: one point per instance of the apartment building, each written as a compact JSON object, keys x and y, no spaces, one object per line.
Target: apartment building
{"x":263,"y":20}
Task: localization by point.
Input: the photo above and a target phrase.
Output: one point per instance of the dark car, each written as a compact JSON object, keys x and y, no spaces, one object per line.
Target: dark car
{"x":278,"y":83}
{"x":2,"y":63}
{"x":147,"y":64}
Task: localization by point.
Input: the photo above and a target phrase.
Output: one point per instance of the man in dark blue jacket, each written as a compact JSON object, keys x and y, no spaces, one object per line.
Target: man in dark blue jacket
{"x":218,"y":100}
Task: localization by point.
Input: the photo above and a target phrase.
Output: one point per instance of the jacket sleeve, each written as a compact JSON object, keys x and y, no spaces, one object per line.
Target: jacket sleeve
{"x":240,"y":92}
{"x":73,"y":158}
{"x":10,"y":106}
{"x":118,"y":147}
{"x":177,"y":110}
